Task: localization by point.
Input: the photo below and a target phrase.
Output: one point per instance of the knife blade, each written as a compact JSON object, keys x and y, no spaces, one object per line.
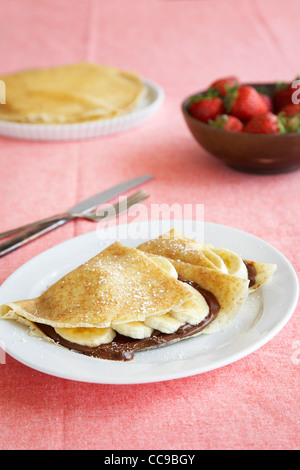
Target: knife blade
{"x":82,"y":207}
{"x":93,"y":202}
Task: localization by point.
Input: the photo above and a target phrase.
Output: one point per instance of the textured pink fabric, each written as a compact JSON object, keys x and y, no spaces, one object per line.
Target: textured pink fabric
{"x":183,"y":45}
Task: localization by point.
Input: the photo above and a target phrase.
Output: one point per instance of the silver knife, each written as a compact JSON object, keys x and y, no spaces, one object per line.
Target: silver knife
{"x":82,"y":207}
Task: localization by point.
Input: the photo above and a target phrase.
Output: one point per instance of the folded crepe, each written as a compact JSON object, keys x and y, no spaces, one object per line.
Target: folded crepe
{"x":194,"y":268}
{"x":118,"y":302}
{"x":130,"y":299}
{"x":176,"y":246}
{"x":117,"y":286}
{"x":69,"y":93}
{"x":230,"y":291}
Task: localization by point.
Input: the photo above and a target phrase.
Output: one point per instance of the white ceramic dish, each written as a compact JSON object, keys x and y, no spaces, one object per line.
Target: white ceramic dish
{"x":261,"y":318}
{"x":146,"y":108}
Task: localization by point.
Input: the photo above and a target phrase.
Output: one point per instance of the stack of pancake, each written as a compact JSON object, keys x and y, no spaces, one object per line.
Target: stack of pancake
{"x":69,"y":94}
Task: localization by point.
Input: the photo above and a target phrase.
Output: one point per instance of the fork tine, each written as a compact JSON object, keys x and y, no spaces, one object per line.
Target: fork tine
{"x":137,"y":195}
{"x":135,"y":198}
{"x":118,"y":207}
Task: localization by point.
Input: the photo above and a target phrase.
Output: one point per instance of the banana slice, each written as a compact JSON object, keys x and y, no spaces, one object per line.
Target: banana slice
{"x":193,"y":311}
{"x":234,"y":263}
{"x":92,"y":337}
{"x":216,"y":259}
{"x":164,"y":323}
{"x":134,"y":329}
{"x":164,"y":264}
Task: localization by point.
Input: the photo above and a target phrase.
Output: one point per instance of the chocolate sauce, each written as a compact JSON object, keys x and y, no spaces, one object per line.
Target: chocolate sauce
{"x":251,"y":273}
{"x":211,"y":300}
{"x":122,"y":348}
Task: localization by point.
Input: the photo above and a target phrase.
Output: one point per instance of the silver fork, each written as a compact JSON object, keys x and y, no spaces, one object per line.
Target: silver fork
{"x":115,"y":209}
{"x":53,"y":222}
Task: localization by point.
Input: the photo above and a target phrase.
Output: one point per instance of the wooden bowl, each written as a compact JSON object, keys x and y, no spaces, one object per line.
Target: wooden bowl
{"x":254,"y":153}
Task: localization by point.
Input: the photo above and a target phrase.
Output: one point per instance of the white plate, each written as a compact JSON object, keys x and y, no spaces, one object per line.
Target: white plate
{"x":145,"y":109}
{"x":262,"y":317}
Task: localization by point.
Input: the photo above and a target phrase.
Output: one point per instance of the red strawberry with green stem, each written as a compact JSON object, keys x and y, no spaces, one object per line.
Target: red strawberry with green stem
{"x":206,"y":106}
{"x":245,"y":102}
{"x":266,"y":123}
{"x":290,"y":109}
{"x":223,"y":85}
{"x":228,"y":123}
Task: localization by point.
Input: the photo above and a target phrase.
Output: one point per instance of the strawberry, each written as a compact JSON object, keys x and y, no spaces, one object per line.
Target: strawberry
{"x":266,"y":123}
{"x":283,"y":96}
{"x":268,"y":101}
{"x":224,"y":84}
{"x":228,"y":123}
{"x":291,"y":109}
{"x":245,"y":102}
{"x":205,"y":108}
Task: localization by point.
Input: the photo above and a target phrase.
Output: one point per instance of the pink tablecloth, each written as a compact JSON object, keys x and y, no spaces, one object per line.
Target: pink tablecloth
{"x":182,"y":45}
